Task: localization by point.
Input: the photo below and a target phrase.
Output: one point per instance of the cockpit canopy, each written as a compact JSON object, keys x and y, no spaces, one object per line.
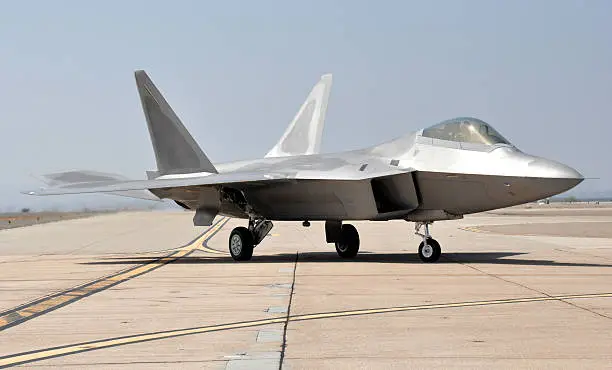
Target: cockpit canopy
{"x":465,"y":130}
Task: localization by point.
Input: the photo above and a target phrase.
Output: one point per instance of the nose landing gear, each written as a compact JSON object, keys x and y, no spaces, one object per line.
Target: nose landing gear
{"x":429,"y":249}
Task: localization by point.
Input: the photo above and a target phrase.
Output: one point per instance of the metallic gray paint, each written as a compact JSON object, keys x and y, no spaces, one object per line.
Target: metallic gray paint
{"x":303,"y":135}
{"x":76,"y":178}
{"x":175,"y":149}
{"x":411,"y":177}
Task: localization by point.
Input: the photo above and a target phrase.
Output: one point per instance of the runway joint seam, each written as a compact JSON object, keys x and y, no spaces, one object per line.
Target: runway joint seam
{"x":288,"y":317}
{"x":527,"y":287}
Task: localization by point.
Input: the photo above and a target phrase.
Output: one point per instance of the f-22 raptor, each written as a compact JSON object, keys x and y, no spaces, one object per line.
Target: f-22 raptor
{"x":457,"y":167}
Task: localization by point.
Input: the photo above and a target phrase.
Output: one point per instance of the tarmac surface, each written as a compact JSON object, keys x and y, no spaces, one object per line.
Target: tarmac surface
{"x":13,"y":220}
{"x":517,"y":288}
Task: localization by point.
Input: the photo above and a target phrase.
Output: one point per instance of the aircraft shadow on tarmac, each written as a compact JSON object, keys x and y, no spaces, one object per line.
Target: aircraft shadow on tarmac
{"x":499,"y":258}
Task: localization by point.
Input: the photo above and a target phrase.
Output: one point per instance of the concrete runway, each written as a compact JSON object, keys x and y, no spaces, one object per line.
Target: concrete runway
{"x":13,"y":220}
{"x":149,"y":290}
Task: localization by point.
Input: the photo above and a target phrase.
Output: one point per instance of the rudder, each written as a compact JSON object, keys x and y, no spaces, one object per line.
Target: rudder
{"x":176,"y":151}
{"x":303,"y":135}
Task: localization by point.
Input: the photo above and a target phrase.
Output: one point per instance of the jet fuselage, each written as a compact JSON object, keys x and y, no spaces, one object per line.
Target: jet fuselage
{"x":437,"y":179}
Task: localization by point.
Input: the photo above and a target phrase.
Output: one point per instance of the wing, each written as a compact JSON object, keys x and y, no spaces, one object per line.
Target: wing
{"x":112,"y":186}
{"x":91,"y":178}
{"x":229,"y":179}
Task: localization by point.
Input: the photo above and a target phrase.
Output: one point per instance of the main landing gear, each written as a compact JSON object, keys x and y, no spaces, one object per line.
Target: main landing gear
{"x":348,"y":245}
{"x":344,"y":236}
{"x":429,"y":249}
{"x":242,"y":240}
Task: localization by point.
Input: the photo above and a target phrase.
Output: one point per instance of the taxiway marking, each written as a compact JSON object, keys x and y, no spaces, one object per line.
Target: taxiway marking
{"x":206,"y":248}
{"x":474,"y":229}
{"x":48,"y":303}
{"x":37,"y":355}
{"x":479,"y":229}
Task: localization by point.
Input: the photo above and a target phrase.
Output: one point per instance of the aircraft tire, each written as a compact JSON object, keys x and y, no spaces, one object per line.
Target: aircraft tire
{"x":348,"y":245}
{"x":241,"y":244}
{"x":431,"y":253}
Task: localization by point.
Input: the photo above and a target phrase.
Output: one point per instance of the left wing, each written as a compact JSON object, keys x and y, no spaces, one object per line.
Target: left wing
{"x":239,"y":178}
{"x":91,"y":178}
{"x":113,"y":186}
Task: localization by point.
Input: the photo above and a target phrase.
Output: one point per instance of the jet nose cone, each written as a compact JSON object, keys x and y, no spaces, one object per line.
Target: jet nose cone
{"x":559,"y":177}
{"x":546,"y":168}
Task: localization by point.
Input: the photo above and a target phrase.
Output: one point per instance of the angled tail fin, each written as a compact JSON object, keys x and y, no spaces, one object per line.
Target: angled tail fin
{"x":303,"y":136}
{"x":175,"y":149}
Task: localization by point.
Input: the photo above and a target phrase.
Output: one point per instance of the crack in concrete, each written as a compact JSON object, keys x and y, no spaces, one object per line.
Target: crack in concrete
{"x":284,"y":345}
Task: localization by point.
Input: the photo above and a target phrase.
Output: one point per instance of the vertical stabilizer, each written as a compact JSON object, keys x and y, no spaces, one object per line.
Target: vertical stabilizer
{"x":175,"y":149}
{"x":303,"y":136}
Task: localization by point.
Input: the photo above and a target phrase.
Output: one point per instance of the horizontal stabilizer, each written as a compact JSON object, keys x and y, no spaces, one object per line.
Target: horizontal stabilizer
{"x":303,"y":135}
{"x":76,"y":178}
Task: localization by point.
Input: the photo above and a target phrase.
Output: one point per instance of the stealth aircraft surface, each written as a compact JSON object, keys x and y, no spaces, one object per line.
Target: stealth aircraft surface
{"x":456,"y":167}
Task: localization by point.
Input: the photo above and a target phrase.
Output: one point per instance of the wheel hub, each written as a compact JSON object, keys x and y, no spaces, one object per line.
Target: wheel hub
{"x":236,"y":244}
{"x":427,"y":251}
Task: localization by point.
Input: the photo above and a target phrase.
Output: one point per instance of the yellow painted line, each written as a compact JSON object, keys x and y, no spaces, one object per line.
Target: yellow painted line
{"x":21,"y":358}
{"x":447,"y":305}
{"x":24,"y":358}
{"x":213,"y":251}
{"x":474,"y":229}
{"x":51,"y":302}
{"x":205,"y":248}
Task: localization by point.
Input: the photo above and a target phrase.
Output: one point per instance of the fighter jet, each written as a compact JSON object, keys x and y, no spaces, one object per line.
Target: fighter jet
{"x":456,"y":167}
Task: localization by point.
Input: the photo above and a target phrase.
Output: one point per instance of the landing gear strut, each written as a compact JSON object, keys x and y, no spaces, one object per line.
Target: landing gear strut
{"x":429,"y":249}
{"x":242,"y":240}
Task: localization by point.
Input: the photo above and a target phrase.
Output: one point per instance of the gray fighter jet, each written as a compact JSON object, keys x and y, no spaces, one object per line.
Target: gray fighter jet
{"x":456,"y":167}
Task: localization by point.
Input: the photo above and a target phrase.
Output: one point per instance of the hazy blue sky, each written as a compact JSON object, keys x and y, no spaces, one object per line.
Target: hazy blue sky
{"x":236,"y":72}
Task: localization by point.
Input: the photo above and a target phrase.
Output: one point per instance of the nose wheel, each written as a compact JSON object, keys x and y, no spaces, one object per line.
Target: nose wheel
{"x":429,"y":249}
